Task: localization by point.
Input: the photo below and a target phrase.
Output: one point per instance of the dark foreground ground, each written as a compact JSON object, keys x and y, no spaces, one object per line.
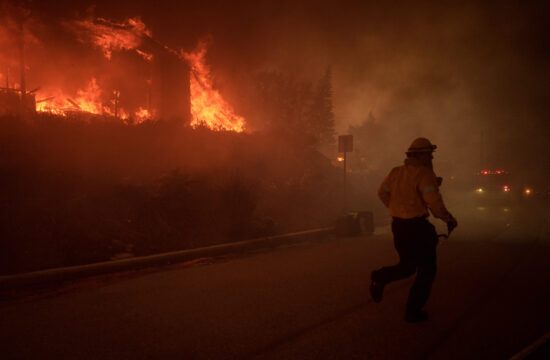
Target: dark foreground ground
{"x":306,"y":301}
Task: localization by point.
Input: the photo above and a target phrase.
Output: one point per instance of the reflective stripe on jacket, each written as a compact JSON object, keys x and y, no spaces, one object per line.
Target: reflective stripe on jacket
{"x":410,"y":190}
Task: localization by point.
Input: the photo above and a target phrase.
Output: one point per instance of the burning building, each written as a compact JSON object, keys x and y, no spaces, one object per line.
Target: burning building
{"x":167,"y":79}
{"x":171,"y":84}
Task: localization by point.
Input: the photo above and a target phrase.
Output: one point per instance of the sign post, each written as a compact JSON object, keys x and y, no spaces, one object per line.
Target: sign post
{"x":345,"y":145}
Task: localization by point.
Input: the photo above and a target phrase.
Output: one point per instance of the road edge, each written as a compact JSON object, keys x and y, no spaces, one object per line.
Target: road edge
{"x":57,"y":275}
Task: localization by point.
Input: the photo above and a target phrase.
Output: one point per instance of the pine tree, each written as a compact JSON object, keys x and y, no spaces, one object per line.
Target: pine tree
{"x":321,"y":115}
{"x":285,"y":105}
{"x":370,"y":138}
{"x":296,"y":110}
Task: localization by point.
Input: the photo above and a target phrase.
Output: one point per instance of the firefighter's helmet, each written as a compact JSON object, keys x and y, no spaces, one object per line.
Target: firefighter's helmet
{"x":421,"y":145}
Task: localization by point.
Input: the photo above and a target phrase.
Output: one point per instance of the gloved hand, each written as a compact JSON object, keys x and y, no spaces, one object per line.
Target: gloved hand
{"x":451,"y":225}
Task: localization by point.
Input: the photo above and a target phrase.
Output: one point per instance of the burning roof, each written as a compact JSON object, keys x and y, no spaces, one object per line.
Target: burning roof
{"x":110,"y":36}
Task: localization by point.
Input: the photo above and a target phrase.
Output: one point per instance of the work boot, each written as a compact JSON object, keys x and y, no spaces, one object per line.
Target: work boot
{"x":376,"y":289}
{"x":416,"y":316}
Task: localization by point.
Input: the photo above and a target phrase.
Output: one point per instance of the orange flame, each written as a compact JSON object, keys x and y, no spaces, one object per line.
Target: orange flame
{"x":208,"y":108}
{"x":110,"y":36}
{"x":142,"y":115}
{"x":52,"y":102}
{"x":122,"y":114}
{"x":86,"y":100}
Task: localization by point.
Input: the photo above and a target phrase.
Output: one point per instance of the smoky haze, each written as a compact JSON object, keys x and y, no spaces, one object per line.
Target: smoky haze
{"x":471,"y":77}
{"x":451,"y":71}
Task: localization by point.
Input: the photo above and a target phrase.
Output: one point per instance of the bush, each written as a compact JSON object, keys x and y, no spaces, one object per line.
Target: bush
{"x":75,"y":193}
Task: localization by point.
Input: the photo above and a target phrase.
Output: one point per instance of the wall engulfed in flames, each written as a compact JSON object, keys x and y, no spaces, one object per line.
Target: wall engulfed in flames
{"x":99,"y":95}
{"x":208,"y":108}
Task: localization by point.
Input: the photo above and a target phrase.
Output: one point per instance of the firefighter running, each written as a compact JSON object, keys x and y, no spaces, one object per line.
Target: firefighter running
{"x":409,"y":191}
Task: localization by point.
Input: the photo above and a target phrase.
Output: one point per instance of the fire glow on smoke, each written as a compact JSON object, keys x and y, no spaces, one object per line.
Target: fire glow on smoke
{"x":208,"y":108}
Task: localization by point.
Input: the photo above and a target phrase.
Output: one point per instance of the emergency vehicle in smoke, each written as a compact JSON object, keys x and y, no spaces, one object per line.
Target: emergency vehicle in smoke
{"x":493,"y":189}
{"x":499,"y":189}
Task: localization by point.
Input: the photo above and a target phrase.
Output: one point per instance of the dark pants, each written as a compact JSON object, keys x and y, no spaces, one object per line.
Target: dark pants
{"x":415,"y":241}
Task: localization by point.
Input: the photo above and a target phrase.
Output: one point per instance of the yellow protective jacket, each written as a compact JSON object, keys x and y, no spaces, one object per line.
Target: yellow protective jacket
{"x":410,"y":190}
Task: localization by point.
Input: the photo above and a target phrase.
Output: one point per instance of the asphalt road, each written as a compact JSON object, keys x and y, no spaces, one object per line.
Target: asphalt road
{"x":306,"y":301}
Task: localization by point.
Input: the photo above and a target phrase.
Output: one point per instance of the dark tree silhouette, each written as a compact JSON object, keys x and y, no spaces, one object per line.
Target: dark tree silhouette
{"x":321,"y":115}
{"x":294,"y":110}
{"x":369,"y":138}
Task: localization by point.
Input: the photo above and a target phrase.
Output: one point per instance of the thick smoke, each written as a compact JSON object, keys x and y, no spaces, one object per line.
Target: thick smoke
{"x":473,"y":78}
{"x":470,"y":76}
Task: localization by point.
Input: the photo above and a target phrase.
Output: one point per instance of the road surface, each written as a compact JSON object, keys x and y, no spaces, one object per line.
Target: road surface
{"x":305,"y":301}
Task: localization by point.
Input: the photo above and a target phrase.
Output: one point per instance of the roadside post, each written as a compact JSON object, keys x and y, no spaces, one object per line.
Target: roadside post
{"x":345,"y":145}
